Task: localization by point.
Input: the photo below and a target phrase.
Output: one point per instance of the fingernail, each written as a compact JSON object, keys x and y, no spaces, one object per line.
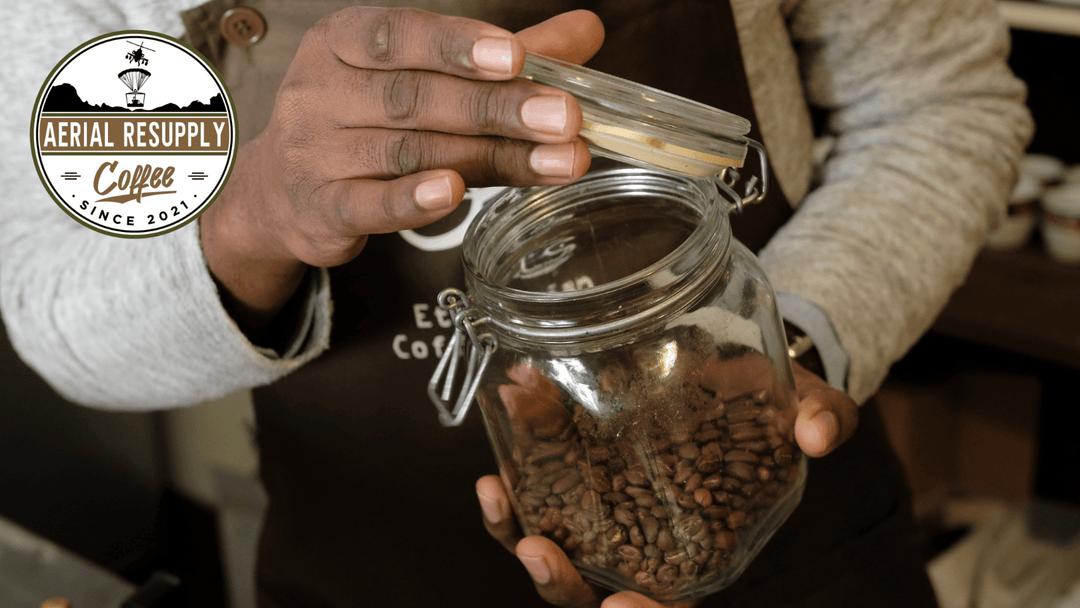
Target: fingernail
{"x":827,"y":426}
{"x":545,"y":113}
{"x":434,"y":194}
{"x":538,"y":569}
{"x":493,"y":55}
{"x":553,"y":160}
{"x":490,"y":506}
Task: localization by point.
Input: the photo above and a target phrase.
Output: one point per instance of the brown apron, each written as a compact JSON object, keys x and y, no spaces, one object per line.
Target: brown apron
{"x":371,"y":500}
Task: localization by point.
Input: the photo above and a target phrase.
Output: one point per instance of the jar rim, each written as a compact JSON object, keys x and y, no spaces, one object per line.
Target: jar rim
{"x":646,"y":126}
{"x":651,"y":294}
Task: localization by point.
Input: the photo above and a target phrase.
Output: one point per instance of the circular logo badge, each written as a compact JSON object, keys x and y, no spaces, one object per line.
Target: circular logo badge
{"x":133,"y":134}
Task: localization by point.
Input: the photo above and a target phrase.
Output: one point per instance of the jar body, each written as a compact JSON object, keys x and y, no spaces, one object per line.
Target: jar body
{"x":640,"y":401}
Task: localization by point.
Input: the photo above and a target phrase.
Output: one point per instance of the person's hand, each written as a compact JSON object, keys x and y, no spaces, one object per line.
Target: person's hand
{"x":555,"y":578}
{"x":826,"y":418}
{"x":383,"y":118}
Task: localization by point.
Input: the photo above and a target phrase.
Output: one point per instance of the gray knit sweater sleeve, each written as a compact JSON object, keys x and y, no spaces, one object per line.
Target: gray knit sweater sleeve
{"x":114,"y":323}
{"x":929,"y":125}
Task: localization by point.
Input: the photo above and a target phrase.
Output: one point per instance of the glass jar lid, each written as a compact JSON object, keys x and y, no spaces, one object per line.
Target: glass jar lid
{"x":646,"y":127}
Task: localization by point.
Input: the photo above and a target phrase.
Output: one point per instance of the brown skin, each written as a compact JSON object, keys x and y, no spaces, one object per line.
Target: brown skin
{"x":384,"y":117}
{"x":565,"y":587}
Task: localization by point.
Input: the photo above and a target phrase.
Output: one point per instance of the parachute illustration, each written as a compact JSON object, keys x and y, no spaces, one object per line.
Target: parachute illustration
{"x":134,"y":78}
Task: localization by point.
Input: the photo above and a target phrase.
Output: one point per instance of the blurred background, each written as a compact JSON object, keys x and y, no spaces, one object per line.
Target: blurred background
{"x":93,"y":504}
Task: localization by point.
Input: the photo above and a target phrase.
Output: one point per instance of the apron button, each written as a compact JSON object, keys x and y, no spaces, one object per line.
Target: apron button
{"x":243,"y":26}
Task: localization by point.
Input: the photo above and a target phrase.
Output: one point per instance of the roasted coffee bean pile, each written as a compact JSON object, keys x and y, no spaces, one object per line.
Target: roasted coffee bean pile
{"x":664,"y":510}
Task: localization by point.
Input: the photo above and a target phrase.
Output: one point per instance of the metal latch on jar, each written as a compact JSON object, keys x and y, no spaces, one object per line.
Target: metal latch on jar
{"x":475,"y":348}
{"x":728,"y":179}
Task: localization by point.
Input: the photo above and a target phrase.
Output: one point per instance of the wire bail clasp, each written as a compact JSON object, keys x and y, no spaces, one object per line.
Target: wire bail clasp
{"x":476,"y":349}
{"x":729,"y":178}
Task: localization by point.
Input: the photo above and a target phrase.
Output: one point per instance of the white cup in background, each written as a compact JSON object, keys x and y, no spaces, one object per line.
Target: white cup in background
{"x":1015,"y":229}
{"x":1061,"y":222}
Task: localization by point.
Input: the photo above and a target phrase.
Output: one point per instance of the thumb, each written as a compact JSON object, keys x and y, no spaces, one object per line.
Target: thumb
{"x":574,"y":36}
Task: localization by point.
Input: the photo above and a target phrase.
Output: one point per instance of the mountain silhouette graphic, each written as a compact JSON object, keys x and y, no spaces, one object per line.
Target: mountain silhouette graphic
{"x":64,"y":98}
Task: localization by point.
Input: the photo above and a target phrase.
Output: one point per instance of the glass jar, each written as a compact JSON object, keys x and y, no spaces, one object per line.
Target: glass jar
{"x":629,"y":360}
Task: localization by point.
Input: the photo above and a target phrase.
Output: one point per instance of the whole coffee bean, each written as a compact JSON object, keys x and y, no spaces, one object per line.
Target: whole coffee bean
{"x":741,"y":470}
{"x":532,"y":499}
{"x":637,"y":538}
{"x":736,"y":519}
{"x":591,"y":500}
{"x":650,"y":526}
{"x":713,"y":449}
{"x":664,"y":540}
{"x":708,"y":435}
{"x":570,"y":479}
{"x":616,"y":497}
{"x":625,"y":515}
{"x":741,"y":456}
{"x":666,"y":573}
{"x":687,"y":501}
{"x":600,"y":483}
{"x":689,"y":451}
{"x":754,"y":446}
{"x":688,"y":569}
{"x":676,"y":556}
{"x":635,"y":477}
{"x":724,"y":539}
{"x":646,"y":501}
{"x":707,"y":465}
{"x":615,"y":535}
{"x":682,"y":474}
{"x":574,"y":495}
{"x":618,"y":482}
{"x":693,"y":482}
{"x":711,"y":482}
{"x":703,"y":497}
{"x":552,"y":519}
{"x":747,"y":434}
{"x":630,"y":553}
{"x":552,"y":466}
{"x":628,"y":569}
{"x":572,"y":455}
{"x":645,"y":579}
{"x":689,"y":526}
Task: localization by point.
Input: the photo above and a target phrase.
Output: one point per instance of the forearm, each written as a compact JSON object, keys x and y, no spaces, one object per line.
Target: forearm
{"x":255,"y":276}
{"x":930,"y":124}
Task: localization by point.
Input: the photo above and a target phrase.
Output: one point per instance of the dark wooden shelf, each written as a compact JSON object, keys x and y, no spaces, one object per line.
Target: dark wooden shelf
{"x":1022,"y":302}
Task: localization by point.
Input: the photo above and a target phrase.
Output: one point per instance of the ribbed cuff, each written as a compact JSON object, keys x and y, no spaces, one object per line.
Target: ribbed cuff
{"x":815,"y":322}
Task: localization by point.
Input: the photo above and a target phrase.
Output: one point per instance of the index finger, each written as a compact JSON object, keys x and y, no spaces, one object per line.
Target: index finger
{"x":412,"y":39}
